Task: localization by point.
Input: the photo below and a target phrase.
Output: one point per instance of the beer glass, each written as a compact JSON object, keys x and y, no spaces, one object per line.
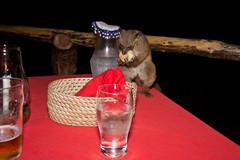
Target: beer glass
{"x":114,"y":118}
{"x":12,"y":66}
{"x":11,"y":117}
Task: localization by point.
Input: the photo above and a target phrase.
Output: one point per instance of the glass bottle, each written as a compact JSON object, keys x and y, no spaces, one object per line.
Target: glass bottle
{"x":12,"y":66}
{"x":106,"y":47}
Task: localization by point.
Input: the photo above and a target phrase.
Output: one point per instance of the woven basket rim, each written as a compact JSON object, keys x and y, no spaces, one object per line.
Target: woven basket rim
{"x":63,"y":79}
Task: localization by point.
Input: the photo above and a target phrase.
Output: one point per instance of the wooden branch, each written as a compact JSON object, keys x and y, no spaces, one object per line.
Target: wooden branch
{"x":201,"y":47}
{"x":47,"y":34}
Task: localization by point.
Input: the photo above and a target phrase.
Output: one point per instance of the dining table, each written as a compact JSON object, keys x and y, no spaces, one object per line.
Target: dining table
{"x":161,"y":130}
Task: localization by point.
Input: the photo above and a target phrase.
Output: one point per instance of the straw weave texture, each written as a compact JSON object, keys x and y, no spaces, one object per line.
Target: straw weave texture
{"x":65,"y":108}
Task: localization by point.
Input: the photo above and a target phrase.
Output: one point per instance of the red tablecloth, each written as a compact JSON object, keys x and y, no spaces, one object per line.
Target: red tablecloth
{"x":161,"y":129}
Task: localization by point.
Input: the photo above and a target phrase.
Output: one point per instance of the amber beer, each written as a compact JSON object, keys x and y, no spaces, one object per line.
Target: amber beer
{"x":10,"y":142}
{"x":11,"y":117}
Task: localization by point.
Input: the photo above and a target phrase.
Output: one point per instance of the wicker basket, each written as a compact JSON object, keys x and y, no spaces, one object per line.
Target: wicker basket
{"x":65,"y":108}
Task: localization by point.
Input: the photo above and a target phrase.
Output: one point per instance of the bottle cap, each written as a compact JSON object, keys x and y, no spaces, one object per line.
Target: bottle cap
{"x":105,"y":30}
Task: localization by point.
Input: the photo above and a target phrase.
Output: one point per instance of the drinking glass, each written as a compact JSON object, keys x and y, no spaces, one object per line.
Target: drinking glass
{"x":114,"y":118}
{"x":12,"y":66}
{"x":11,"y":116}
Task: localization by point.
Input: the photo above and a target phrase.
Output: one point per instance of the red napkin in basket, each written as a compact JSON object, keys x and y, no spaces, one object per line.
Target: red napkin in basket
{"x":110,"y":76}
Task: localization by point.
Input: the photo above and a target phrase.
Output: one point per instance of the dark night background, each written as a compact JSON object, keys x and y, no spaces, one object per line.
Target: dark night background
{"x":208,"y":88}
